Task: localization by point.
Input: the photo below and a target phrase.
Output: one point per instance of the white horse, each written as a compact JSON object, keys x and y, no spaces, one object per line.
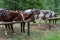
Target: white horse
{"x":28,"y":11}
{"x":46,"y":14}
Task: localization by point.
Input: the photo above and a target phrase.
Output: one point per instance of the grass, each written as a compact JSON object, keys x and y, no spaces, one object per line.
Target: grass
{"x":35,"y":34}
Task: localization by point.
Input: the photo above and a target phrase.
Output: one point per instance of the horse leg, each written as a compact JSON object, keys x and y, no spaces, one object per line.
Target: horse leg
{"x":46,"y":21}
{"x":55,"y":22}
{"x":11,"y":25}
{"x":24,"y":27}
{"x":39,"y":22}
{"x":21,"y":27}
{"x":6,"y":29}
{"x":34,"y":21}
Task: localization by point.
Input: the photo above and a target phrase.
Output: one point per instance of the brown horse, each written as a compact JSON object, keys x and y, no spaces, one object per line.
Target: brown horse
{"x":20,"y":16}
{"x":8,"y":16}
{"x":26,"y":16}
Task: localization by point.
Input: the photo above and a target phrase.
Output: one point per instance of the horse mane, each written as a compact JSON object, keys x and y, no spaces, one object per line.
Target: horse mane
{"x":11,"y":11}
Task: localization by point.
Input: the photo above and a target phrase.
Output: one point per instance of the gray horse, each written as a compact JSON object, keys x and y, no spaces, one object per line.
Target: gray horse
{"x":45,"y":14}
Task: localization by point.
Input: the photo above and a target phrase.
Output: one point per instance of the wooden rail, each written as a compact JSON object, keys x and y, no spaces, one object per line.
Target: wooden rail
{"x":52,"y":19}
{"x":14,"y":22}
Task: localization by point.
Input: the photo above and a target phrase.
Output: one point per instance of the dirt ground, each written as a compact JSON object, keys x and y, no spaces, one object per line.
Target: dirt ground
{"x":42,"y":26}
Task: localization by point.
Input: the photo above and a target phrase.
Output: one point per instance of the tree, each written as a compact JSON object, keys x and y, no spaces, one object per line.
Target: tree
{"x":29,"y":4}
{"x":11,"y":4}
{"x":1,"y":4}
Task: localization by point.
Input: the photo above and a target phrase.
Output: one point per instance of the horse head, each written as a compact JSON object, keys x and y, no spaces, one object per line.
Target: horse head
{"x":35,"y":13}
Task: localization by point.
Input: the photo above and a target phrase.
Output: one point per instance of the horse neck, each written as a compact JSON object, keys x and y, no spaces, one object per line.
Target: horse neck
{"x":26,"y":16}
{"x":10,"y":16}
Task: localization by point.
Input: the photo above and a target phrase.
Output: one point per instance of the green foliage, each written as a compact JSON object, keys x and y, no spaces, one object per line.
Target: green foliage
{"x":29,"y":4}
{"x":1,"y":4}
{"x":11,"y":4}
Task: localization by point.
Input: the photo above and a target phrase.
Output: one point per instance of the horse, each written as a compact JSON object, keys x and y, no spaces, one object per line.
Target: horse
{"x":26,"y":15}
{"x":33,"y":12}
{"x":8,"y":16}
{"x":45,"y":14}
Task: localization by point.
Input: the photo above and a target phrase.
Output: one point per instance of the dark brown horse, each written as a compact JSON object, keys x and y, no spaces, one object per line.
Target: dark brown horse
{"x":26,"y":16}
{"x":8,"y":16}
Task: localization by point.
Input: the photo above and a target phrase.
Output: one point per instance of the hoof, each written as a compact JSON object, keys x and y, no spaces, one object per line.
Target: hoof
{"x":6,"y":33}
{"x":24,"y":31}
{"x":13,"y":34}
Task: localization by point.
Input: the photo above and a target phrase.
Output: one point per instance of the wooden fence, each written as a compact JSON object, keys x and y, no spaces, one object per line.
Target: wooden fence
{"x":14,"y":22}
{"x":52,"y":19}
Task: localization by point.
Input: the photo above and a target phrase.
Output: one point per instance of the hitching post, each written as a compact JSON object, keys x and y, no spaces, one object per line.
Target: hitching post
{"x":28,"y":25}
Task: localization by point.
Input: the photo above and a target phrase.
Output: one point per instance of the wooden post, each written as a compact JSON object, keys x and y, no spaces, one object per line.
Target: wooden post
{"x":21,"y":27}
{"x":49,"y":24}
{"x":28,"y":25}
{"x":24,"y":27}
{"x":55,"y":21}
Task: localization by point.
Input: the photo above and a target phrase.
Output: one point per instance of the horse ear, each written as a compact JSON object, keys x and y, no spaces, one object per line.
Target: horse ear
{"x":18,"y":11}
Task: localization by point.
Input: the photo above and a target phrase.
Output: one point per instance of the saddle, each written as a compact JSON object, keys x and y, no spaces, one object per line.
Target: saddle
{"x":3,"y":14}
